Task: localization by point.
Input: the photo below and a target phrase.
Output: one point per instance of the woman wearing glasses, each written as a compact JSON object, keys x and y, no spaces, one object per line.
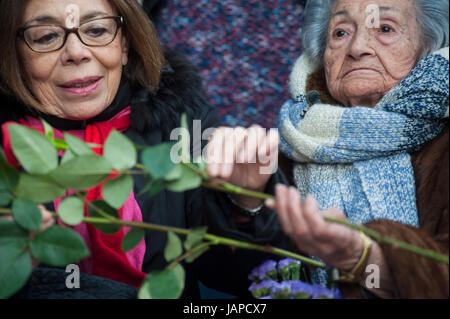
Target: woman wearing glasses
{"x":90,"y":66}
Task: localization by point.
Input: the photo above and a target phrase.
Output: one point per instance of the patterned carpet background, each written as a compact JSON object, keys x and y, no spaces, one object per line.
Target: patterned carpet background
{"x":243,"y":49}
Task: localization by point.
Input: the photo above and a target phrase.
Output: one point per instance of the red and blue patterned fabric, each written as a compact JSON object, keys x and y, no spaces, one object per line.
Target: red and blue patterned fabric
{"x":244,"y":50}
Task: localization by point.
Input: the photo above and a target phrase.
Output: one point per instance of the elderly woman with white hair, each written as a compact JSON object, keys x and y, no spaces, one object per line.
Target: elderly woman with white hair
{"x":366,"y":133}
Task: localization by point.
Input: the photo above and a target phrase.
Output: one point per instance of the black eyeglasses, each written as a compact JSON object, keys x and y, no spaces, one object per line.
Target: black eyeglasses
{"x":94,"y":33}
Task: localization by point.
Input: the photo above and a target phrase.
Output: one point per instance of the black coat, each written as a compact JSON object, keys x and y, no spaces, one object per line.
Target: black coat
{"x":152,"y":119}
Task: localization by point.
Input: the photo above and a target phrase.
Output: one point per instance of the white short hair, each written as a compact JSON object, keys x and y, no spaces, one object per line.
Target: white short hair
{"x":432,"y":18}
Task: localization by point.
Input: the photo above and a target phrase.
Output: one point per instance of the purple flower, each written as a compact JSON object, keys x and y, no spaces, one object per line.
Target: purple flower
{"x":254,"y":275}
{"x":266,"y":270}
{"x":281,"y":290}
{"x":287,"y":262}
{"x":338,"y":294}
{"x":289,"y":269}
{"x":302,"y":290}
{"x":321,"y":292}
{"x":263,"y":288}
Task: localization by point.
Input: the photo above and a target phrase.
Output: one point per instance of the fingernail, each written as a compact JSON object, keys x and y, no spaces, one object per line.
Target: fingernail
{"x":310,"y":202}
{"x":269,"y":202}
{"x":292,"y":192}
{"x":212,"y":169}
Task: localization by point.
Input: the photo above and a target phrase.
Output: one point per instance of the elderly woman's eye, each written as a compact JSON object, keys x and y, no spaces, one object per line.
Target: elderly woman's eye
{"x":340,"y":33}
{"x":386,"y":29}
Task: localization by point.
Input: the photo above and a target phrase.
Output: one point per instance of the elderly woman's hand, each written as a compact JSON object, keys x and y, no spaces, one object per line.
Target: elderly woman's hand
{"x":243,"y":157}
{"x":47,"y":221}
{"x":336,"y":244}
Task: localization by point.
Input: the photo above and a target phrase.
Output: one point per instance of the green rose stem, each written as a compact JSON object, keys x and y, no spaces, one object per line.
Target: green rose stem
{"x":229,"y":188}
{"x":233,"y":189}
{"x":389,"y":240}
{"x":187,"y":254}
{"x":213,"y":240}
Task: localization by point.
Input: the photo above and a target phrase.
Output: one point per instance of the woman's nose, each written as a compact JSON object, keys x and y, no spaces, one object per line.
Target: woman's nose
{"x":74,"y":51}
{"x":360,"y":45}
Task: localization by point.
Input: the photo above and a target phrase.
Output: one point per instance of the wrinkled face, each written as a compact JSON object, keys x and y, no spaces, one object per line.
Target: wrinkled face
{"x":363,"y":58}
{"x":76,"y":81}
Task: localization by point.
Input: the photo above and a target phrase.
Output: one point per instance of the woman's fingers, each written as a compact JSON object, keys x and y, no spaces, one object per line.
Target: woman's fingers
{"x":334,"y":213}
{"x":281,"y":202}
{"x":47,"y":218}
{"x":313,"y":218}
{"x":228,"y":153}
{"x":214,"y":153}
{"x":295,"y":213}
{"x":256,"y":140}
{"x":231,"y":146}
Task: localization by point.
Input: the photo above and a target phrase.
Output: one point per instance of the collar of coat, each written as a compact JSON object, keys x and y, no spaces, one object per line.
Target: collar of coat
{"x":180,"y":91}
{"x":305,"y":77}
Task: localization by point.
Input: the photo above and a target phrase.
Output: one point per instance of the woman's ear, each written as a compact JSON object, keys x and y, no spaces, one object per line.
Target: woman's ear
{"x":125,"y":48}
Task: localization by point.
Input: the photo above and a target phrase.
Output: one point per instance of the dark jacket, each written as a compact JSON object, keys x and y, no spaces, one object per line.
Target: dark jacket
{"x":153,"y":116}
{"x":220,"y":268}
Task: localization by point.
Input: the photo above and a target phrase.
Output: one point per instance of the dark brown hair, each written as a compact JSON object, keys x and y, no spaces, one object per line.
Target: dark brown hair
{"x":145,"y":56}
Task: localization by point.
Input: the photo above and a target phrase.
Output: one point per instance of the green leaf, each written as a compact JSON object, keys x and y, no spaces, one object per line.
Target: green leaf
{"x":120,"y":151}
{"x":38,"y":188}
{"x":181,"y":276}
{"x":77,"y":146}
{"x":173,"y":247}
{"x":116,"y":191}
{"x":71,"y":211}
{"x":144,"y":290}
{"x":196,"y":254}
{"x":15,"y":268}
{"x":60,"y":144}
{"x":27,"y":214}
{"x":48,"y":130}
{"x":152,"y":188}
{"x":33,"y":150}
{"x":132,"y":239}
{"x":195,"y":237}
{"x":189,"y":180}
{"x":157,"y":161}
{"x":82,"y":172}
{"x":174,"y":174}
{"x":9,"y":176}
{"x":11,"y":232}
{"x":58,"y":247}
{"x":109,"y":212}
{"x":166,"y":284}
{"x":5,"y":198}
{"x":68,"y":155}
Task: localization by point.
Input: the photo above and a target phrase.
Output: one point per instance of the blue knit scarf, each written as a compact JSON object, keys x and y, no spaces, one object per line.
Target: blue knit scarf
{"x":357,"y":158}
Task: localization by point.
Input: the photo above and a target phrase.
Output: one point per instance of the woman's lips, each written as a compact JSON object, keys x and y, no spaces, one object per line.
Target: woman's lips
{"x":359,"y":69}
{"x":82,"y":86}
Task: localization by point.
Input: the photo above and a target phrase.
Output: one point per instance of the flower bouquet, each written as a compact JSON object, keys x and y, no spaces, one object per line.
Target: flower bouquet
{"x":272,"y":280}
